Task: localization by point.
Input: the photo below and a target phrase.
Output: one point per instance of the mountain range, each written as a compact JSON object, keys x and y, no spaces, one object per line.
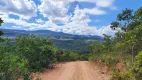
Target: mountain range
{"x":73,"y":43}
{"x":11,"y":33}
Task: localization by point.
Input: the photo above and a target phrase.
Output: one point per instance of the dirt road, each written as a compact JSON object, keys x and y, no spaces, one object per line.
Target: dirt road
{"x":79,"y":70}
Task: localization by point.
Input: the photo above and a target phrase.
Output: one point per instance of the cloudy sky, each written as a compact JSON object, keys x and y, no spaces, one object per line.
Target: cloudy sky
{"x":82,"y":17}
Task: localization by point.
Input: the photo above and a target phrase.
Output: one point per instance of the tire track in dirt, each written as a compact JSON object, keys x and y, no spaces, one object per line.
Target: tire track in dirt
{"x":79,"y":70}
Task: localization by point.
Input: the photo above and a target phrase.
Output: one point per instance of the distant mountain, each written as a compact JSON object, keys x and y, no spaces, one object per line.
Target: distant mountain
{"x":11,"y":33}
{"x":74,"y":43}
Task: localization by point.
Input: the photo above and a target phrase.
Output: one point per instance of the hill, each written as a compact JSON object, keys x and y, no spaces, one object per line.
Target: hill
{"x":48,"y":34}
{"x":74,"y":43}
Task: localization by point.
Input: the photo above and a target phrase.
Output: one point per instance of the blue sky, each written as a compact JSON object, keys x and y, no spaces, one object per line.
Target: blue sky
{"x":82,"y":17}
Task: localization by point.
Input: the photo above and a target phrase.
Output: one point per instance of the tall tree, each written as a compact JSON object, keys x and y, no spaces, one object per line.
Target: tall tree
{"x":1,"y":21}
{"x":123,"y":20}
{"x":130,"y":23}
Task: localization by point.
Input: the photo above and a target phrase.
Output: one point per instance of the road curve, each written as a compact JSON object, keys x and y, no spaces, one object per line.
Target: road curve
{"x":79,"y":70}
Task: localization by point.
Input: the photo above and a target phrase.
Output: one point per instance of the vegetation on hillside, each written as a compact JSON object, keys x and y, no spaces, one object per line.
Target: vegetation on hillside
{"x":77,"y":46}
{"x":80,"y":44}
{"x":30,"y":54}
{"x":125,"y":47}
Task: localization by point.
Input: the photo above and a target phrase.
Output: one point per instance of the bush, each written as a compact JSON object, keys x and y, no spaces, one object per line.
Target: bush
{"x":105,"y":58}
{"x":93,"y":57}
{"x":12,"y":67}
{"x":24,"y":56}
{"x":116,"y":75}
{"x":74,"y":56}
{"x":84,"y":57}
{"x":109,"y":60}
{"x":137,"y":68}
{"x":38,"y":51}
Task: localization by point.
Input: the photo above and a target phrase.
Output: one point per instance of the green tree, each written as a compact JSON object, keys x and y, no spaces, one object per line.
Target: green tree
{"x":11,"y":65}
{"x":130,"y":22}
{"x":38,"y":51}
{"x":1,"y":32}
{"x":96,"y":47}
{"x":124,"y":19}
{"x":28,"y":54}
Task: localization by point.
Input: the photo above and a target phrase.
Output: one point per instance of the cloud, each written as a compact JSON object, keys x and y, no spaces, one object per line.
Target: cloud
{"x":78,"y":25}
{"x":99,"y":3}
{"x":55,"y":10}
{"x":75,"y":27}
{"x":94,"y":11}
{"x":23,"y":8}
{"x":40,"y":21}
{"x":80,"y":16}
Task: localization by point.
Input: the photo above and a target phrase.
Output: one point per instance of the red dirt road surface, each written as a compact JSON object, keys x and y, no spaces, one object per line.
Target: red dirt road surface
{"x":79,"y":70}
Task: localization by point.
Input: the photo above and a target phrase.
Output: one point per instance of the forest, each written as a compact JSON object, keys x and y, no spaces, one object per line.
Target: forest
{"x":31,"y":54}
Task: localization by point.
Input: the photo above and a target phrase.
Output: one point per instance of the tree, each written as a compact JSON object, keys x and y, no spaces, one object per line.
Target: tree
{"x":1,"y":33}
{"x":96,"y":47}
{"x":125,"y":44}
{"x":12,"y":66}
{"x":38,"y":51}
{"x":130,"y":22}
{"x":1,"y":21}
{"x":124,"y":19}
{"x":138,"y":13}
{"x":108,"y":43}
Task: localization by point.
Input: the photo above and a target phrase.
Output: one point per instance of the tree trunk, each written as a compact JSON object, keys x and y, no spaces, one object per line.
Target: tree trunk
{"x":133,"y":54}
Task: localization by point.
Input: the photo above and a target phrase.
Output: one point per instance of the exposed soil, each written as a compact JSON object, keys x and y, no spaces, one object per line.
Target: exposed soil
{"x":79,"y":70}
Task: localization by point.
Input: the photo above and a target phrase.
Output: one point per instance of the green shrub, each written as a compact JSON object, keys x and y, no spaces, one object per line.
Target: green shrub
{"x":74,"y":56}
{"x":38,"y":51}
{"x":110,"y":60}
{"x":105,"y":58}
{"x":93,"y":57}
{"x":26,"y":55}
{"x":122,"y":76}
{"x":12,"y":67}
{"x":84,"y":57}
{"x":138,"y":58}
{"x":137,"y":68}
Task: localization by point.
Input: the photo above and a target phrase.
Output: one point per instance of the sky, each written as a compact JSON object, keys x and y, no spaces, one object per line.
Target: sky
{"x":79,"y":17}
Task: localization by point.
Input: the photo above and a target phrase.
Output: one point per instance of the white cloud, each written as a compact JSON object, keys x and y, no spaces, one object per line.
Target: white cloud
{"x":80,"y":16}
{"x":94,"y":11}
{"x":40,"y":21}
{"x":83,"y":30}
{"x":75,"y":27}
{"x":79,"y":25}
{"x":104,"y":3}
{"x":23,"y":8}
{"x":55,"y":10}
{"x":99,"y":3}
